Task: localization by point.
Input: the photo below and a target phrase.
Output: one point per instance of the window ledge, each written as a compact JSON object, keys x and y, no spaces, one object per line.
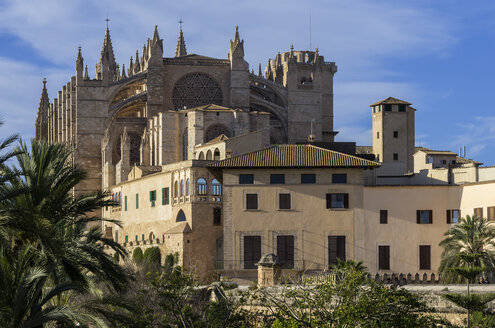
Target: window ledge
{"x":339,"y":209}
{"x":251,"y":210}
{"x":286,"y":209}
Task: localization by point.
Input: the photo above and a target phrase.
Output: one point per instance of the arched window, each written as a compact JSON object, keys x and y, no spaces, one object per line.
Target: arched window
{"x":216,"y":130}
{"x":120,"y":199}
{"x":196,"y":89}
{"x":216,"y":188}
{"x":188,"y":187}
{"x":216,"y":154}
{"x":208,"y":155}
{"x":185,"y":144}
{"x":181,"y":188}
{"x":151,"y":236}
{"x":201,"y":155}
{"x":202,"y":187}
{"x":176,"y":189}
{"x":181,"y":217}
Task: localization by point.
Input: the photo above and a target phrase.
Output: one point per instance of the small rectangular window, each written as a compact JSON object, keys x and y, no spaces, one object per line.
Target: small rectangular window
{"x":425,"y":257}
{"x":491,"y":213}
{"x":284,"y":201}
{"x":217,"y":216}
{"x":383,"y":257}
{"x":478,"y":212}
{"x":136,"y":237}
{"x":142,"y":237}
{"x":246,"y":178}
{"x":378,"y":135}
{"x":383,"y":216}
{"x":339,"y":178}
{"x":396,"y":157}
{"x":336,"y":249}
{"x":387,"y":108}
{"x":424,"y":216}
{"x":126,"y":239}
{"x":396,"y":134}
{"x":277,"y":178}
{"x":444,"y":161}
{"x":308,"y":178}
{"x":453,"y":216}
{"x":402,"y":108}
{"x":152,"y":197}
{"x":137,"y":200}
{"x":337,"y":201}
{"x":251,"y":201}
{"x":165,"y":196}
{"x":125,"y":203}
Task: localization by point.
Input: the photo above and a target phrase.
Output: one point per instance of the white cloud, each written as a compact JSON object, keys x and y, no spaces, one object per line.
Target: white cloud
{"x":477,"y":135}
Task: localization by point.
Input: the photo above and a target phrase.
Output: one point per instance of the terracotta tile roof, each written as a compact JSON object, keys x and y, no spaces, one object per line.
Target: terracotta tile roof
{"x":436,"y":152}
{"x":182,"y":227}
{"x":391,"y":100}
{"x":294,"y":156}
{"x":221,"y":137}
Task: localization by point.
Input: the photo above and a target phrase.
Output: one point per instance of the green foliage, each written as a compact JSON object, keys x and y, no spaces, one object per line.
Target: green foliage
{"x":349,"y":301}
{"x":482,"y":320}
{"x":470,"y":243}
{"x":137,"y":255}
{"x":471,"y":302}
{"x":116,"y":257}
{"x":152,"y":256}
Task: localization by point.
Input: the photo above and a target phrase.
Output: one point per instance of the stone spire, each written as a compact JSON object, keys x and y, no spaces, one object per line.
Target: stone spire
{"x":237,"y":46}
{"x":180,"y":50}
{"x":107,"y":58}
{"x":79,"y":60}
{"x":131,"y":67}
{"x":41,"y":127}
{"x":137,"y":66}
{"x":156,"y":41}
{"x":123,"y":71}
{"x":86,"y":75}
{"x":259,"y":69}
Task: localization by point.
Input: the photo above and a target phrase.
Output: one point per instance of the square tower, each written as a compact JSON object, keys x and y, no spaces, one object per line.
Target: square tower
{"x":393,"y":135}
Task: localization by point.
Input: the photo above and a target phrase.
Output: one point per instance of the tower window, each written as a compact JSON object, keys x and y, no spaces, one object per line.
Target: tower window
{"x":396,"y":157}
{"x":387,"y":108}
{"x":402,"y":108}
{"x":378,"y":135}
{"x":396,"y":134}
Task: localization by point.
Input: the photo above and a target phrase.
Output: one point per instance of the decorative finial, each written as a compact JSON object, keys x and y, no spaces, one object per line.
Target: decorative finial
{"x":107,"y":20}
{"x":180,"y":23}
{"x":291,"y":47}
{"x":44,"y":82}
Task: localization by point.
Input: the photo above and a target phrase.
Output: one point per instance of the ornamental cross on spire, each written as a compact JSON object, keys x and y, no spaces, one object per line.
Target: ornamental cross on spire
{"x":180,"y":22}
{"x":107,"y":20}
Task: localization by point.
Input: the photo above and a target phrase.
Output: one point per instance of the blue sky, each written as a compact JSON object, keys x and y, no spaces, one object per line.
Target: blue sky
{"x":438,"y":55}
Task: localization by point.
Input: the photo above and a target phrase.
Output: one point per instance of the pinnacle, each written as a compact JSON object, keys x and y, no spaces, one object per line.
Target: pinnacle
{"x":180,"y":50}
{"x":156,"y":37}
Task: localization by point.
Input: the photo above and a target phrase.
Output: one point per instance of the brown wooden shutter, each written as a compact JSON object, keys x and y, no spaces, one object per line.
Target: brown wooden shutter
{"x":285,"y":251}
{"x":252,"y":251}
{"x":346,"y":200}
{"x":418,"y":216}
{"x":284,"y":202}
{"x":448,"y":216}
{"x":332,"y":250}
{"x":430,"y":216}
{"x":329,"y":200}
{"x":383,"y":257}
{"x":341,"y":248}
{"x":251,"y":201}
{"x":383,"y":216}
{"x":424,"y":257}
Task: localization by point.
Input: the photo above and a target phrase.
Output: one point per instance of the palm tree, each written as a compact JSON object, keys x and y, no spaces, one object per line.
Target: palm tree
{"x":38,"y":207}
{"x":470,"y":243}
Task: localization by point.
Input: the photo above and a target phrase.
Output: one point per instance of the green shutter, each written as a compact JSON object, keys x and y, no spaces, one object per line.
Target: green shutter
{"x":136,"y":238}
{"x":151,"y":196}
{"x":142,"y":236}
{"x":126,"y":239}
{"x":137,"y":200}
{"x":167,"y":196}
{"x":163,"y":196}
{"x":125,"y":203}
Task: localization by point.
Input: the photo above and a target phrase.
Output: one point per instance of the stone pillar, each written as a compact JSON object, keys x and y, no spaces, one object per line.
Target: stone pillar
{"x":269,"y":270}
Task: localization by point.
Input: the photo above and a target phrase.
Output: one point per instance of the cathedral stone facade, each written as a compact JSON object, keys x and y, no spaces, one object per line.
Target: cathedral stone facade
{"x":149,"y":113}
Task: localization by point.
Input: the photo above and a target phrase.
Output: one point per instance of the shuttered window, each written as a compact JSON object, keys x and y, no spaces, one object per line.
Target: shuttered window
{"x":251,"y":201}
{"x":308,"y":178}
{"x":491,"y":213}
{"x":424,"y":257}
{"x":284,"y":202}
{"x":285,"y":251}
{"x":453,"y":216}
{"x":337,"y":200}
{"x":478,"y":212}
{"x":424,"y":216}
{"x":383,"y":257}
{"x":165,"y":196}
{"x":252,"y":251}
{"x":152,"y":197}
{"x":336,"y":249}
{"x":277,"y":178}
{"x":137,"y":200}
{"x":383,"y":216}
{"x":125,"y":203}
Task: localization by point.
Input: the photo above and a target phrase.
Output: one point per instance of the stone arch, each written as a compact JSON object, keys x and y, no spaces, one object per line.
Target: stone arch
{"x":278,"y":120}
{"x":181,"y":216}
{"x":216,"y":188}
{"x":196,"y":89}
{"x":176,"y":189}
{"x":215,"y":130}
{"x":216,"y":154}
{"x":209,"y":155}
{"x":182,"y":186}
{"x":201,"y":187}
{"x":150,"y":236}
{"x":188,"y":187}
{"x":135,"y":141}
{"x":201,"y":155}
